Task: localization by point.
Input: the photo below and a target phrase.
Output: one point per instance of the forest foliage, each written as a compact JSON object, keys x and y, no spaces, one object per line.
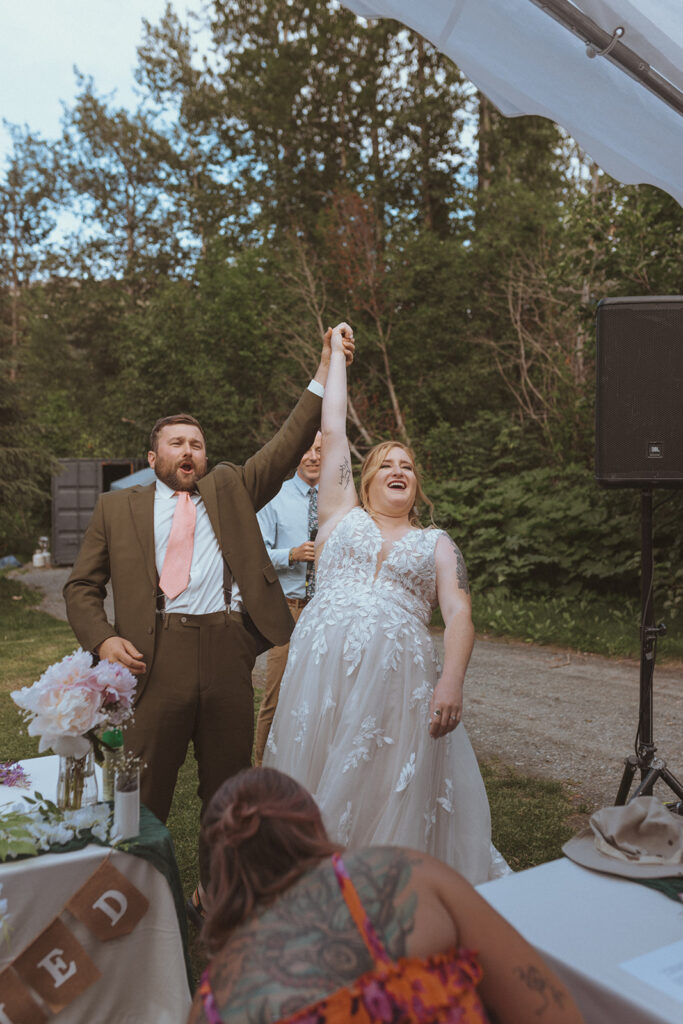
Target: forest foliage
{"x":307,"y":167}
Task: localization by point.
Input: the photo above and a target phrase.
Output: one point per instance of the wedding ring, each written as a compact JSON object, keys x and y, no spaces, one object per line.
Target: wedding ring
{"x":437,"y":714}
{"x":452,"y":718}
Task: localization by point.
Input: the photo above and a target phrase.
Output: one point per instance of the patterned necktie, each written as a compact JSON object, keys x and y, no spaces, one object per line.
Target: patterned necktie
{"x":312,"y":530}
{"x":175,"y":574}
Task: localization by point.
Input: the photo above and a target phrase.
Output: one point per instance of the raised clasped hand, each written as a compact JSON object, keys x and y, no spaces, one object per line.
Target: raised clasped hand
{"x":341,"y":340}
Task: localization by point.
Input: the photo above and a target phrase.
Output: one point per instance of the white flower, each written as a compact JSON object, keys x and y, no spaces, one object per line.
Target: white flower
{"x":51,"y":833}
{"x":67,"y":746}
{"x":72,"y":697}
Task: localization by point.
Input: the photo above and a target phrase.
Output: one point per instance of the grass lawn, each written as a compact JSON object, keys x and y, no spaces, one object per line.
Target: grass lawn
{"x":531,"y":817}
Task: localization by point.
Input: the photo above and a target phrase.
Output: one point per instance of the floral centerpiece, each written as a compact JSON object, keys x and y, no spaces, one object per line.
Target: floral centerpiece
{"x":68,"y":706}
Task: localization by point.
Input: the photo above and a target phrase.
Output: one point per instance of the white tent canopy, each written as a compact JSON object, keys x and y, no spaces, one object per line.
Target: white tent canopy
{"x":527,"y":62}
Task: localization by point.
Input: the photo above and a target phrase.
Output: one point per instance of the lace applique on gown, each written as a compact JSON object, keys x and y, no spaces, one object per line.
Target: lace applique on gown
{"x":353,"y":713}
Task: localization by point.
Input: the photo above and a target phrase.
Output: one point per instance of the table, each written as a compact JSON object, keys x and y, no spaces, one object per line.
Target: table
{"x":143,"y":974}
{"x":586,"y":924}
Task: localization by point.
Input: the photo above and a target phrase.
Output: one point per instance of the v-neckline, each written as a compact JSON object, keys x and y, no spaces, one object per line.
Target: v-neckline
{"x":379,"y":564}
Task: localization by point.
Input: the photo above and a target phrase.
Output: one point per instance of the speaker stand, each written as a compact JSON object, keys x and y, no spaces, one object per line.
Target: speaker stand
{"x":651,"y":768}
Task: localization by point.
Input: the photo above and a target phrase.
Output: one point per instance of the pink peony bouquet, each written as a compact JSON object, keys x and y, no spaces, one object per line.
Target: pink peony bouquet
{"x":73,"y":699}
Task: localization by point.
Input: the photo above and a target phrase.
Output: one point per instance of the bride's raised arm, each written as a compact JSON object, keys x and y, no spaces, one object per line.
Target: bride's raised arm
{"x":336,"y":489}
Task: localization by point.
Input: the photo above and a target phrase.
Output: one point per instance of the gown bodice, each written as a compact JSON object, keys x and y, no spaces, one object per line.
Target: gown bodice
{"x":349,"y":570}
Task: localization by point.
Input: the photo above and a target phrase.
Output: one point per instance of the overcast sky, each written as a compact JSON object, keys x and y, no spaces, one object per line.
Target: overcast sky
{"x":42,"y":40}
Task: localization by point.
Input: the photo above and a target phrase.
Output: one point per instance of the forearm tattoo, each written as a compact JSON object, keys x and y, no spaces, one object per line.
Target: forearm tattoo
{"x":536,"y":982}
{"x":345,"y":473}
{"x":461,"y":568}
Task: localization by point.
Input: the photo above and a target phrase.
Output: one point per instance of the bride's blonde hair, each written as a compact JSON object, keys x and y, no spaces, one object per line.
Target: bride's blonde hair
{"x":371,"y":464}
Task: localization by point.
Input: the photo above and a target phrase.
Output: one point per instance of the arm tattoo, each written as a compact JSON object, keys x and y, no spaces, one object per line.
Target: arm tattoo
{"x":536,"y":982}
{"x":461,"y":569}
{"x":345,"y":473}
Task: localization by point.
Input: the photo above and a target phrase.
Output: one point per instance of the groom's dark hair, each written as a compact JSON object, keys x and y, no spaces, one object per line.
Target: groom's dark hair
{"x":167,"y":421}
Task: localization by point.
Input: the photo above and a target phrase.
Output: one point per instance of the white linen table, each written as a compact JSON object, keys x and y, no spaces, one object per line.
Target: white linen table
{"x":586,"y":924}
{"x":144,"y":978}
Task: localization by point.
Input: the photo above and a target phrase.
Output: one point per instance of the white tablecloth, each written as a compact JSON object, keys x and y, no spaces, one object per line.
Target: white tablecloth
{"x":586,"y":924}
{"x":144,"y":980}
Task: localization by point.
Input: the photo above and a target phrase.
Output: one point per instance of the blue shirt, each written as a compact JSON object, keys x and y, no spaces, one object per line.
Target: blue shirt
{"x":284,"y":525}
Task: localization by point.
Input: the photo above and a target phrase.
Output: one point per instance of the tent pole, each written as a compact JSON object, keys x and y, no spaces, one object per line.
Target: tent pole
{"x":620,"y":54}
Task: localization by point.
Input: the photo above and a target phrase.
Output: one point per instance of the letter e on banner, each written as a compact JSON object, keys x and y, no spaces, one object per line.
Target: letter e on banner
{"x":17,"y":1005}
{"x":56,"y":966}
{"x":108,"y":904}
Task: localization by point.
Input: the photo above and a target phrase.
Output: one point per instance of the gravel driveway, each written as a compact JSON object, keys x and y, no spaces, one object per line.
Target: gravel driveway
{"x":545,"y":711}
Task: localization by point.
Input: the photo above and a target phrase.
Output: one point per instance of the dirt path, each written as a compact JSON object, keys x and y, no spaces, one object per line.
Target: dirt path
{"x":545,"y":711}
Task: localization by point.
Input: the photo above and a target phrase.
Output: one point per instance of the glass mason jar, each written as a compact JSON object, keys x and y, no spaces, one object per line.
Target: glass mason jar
{"x":76,"y":783}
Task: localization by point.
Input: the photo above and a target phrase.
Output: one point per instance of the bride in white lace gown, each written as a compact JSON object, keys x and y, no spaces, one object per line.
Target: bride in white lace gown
{"x":366,"y":719}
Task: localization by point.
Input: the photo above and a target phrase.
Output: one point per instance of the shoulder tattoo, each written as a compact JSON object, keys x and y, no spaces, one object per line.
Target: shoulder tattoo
{"x":345,"y":473}
{"x":536,"y":982}
{"x":461,"y":568}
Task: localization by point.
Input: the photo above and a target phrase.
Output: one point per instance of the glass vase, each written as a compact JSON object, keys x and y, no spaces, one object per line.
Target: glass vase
{"x":77,"y":782}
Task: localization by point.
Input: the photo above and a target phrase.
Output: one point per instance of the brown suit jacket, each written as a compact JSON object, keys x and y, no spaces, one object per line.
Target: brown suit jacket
{"x":119,"y":545}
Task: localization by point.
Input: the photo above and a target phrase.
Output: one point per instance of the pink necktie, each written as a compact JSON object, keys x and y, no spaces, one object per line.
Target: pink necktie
{"x":175,"y":574}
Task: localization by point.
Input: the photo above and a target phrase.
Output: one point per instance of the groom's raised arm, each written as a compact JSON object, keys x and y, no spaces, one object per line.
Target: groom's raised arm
{"x":264,"y":472}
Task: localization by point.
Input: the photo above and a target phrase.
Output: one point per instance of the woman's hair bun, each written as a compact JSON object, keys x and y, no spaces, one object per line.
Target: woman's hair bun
{"x":240,"y":821}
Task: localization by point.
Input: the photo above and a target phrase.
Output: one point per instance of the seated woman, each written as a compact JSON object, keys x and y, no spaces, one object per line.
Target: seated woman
{"x":303,"y":934}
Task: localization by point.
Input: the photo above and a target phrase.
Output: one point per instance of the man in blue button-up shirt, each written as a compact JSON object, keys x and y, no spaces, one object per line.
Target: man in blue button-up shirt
{"x":286,"y":527}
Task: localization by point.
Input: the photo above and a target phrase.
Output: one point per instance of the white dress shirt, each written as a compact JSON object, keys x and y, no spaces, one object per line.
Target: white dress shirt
{"x":204,"y":592}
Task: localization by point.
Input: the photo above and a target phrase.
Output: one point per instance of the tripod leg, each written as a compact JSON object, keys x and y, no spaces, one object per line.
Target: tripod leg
{"x":647,"y":785}
{"x":672,"y":782}
{"x":630,"y":765}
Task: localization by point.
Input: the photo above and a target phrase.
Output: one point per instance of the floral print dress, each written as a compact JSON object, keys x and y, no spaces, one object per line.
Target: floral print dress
{"x":440,"y":989}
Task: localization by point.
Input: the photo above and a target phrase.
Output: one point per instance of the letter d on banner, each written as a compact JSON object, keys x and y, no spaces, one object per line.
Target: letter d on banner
{"x":108,"y":904}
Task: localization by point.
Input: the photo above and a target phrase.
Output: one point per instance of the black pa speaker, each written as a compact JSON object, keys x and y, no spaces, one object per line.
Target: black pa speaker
{"x":639,"y":395}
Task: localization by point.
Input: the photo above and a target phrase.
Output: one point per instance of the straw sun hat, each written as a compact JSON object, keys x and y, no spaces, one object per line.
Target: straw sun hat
{"x":640,"y":840}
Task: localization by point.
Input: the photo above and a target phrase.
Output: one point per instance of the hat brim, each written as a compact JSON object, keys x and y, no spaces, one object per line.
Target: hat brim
{"x":581,"y":849}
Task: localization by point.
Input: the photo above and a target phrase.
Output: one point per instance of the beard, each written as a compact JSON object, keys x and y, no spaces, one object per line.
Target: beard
{"x":170,"y":473}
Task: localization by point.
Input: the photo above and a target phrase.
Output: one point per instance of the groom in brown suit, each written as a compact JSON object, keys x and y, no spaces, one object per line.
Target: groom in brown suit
{"x":193,"y":652}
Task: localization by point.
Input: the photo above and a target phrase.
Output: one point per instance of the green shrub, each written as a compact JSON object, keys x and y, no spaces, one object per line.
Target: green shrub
{"x":547,"y":532}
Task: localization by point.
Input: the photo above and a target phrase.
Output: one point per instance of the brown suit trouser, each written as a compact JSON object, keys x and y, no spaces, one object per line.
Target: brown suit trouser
{"x":276,"y":663}
{"x":199,"y":689}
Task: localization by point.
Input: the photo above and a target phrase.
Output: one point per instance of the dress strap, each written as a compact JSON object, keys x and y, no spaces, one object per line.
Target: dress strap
{"x":358,"y":913}
{"x":208,"y":999}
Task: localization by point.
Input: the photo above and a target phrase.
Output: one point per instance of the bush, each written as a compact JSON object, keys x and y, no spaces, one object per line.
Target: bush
{"x":555,"y":532}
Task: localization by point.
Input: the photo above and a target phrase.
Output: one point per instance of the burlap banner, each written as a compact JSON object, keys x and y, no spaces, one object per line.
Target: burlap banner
{"x":55,"y":965}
